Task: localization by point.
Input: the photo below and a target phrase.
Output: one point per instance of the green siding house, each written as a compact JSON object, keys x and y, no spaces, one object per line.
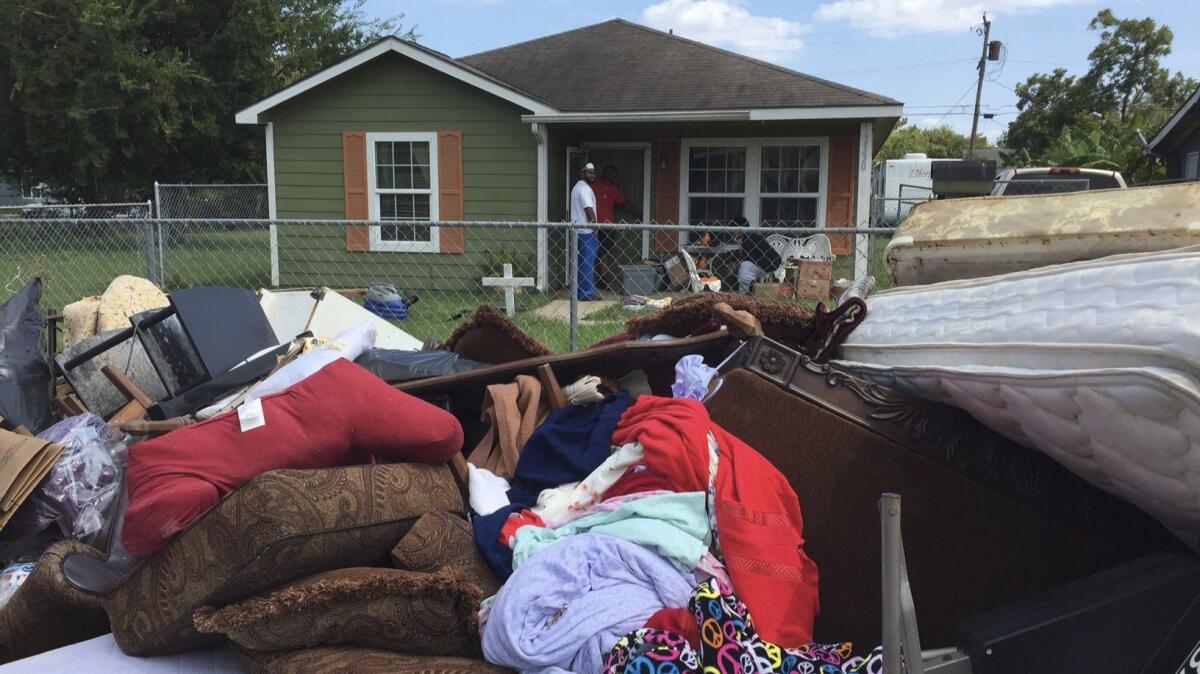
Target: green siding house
{"x":400,"y":136}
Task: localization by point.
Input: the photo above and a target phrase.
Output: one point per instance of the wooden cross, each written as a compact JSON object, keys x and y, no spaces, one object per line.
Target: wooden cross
{"x":510,"y":286}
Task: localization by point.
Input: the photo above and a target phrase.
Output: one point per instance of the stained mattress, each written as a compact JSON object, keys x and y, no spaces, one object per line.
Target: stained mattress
{"x":1095,"y":363}
{"x":969,"y":238}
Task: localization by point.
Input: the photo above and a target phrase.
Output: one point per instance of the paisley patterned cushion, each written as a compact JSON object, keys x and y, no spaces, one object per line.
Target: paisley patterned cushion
{"x":359,"y":660}
{"x":442,"y":540}
{"x":280,"y":526}
{"x":411,"y":612}
{"x":426,"y":606}
{"x":47,"y":612}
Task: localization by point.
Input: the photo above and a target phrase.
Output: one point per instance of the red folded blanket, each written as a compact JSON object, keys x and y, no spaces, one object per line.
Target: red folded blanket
{"x":341,"y":415}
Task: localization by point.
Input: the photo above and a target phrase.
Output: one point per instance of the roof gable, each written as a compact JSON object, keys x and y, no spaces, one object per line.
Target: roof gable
{"x":424,"y":55}
{"x":618,"y":66}
{"x":1185,"y":120}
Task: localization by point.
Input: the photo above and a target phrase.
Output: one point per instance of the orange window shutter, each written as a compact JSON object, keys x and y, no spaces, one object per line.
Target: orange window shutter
{"x":354,"y":180}
{"x":666,"y":193}
{"x":450,"y":191}
{"x":839,"y":202}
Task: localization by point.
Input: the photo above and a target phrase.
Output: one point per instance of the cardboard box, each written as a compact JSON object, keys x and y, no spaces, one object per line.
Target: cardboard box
{"x":811,"y":290}
{"x":24,"y":461}
{"x":814,"y":270}
{"x":677,"y":273}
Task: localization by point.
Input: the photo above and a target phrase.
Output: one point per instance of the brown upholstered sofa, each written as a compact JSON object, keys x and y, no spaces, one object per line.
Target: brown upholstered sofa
{"x":985,"y":521}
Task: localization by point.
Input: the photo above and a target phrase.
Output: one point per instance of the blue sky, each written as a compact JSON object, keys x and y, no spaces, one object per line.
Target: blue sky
{"x":922,"y":52}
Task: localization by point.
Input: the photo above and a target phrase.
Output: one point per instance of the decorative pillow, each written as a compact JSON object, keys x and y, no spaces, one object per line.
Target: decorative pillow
{"x":411,"y":612}
{"x":276,"y":528}
{"x":358,"y":660}
{"x":489,"y":336}
{"x":440,"y":541}
{"x":340,"y":415}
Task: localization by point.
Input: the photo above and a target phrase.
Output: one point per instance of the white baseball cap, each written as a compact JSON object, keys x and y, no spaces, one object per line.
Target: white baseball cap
{"x":589,"y":167}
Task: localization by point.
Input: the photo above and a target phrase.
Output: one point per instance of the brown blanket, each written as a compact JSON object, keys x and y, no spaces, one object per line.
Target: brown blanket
{"x":513,"y":411}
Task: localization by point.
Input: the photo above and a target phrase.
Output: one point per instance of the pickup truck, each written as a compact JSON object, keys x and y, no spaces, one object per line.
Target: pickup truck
{"x":1056,"y":180}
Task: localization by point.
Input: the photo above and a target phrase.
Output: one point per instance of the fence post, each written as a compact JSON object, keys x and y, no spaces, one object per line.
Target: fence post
{"x":148,"y":241}
{"x":573,"y":283}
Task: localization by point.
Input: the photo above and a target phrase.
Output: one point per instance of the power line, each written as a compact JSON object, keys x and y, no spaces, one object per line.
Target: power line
{"x":897,"y":67}
{"x":964,"y":95}
{"x":956,"y":114}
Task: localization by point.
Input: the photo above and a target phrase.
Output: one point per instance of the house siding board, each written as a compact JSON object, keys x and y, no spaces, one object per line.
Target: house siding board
{"x":395,"y":94}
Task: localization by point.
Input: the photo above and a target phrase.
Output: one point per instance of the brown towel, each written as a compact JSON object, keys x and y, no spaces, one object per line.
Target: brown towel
{"x":513,"y":411}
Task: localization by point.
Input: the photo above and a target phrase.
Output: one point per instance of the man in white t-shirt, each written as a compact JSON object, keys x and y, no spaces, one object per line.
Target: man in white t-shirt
{"x":583,"y":211}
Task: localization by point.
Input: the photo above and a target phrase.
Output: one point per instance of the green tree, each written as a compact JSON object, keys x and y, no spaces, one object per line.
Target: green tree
{"x":937,"y":142}
{"x":1095,"y":119}
{"x":103,"y":97}
{"x":1125,"y":69}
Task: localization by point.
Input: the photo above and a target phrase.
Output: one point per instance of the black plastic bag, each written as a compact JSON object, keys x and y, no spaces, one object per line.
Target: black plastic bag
{"x":24,"y":364}
{"x":392,"y":365}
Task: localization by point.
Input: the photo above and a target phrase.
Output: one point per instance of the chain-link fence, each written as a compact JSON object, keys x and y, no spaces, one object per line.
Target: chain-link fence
{"x":205,"y":202}
{"x":451,"y":268}
{"x":891,"y":211}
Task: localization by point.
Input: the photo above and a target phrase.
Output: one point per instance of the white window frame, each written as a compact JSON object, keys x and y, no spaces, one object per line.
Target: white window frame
{"x":752,"y":197}
{"x":377,"y":242}
{"x":1191,"y":166}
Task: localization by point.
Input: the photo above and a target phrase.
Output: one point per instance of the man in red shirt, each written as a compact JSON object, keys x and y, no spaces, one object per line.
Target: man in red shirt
{"x":608,"y":196}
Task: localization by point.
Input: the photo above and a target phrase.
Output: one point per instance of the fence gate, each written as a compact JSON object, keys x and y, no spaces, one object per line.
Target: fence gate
{"x":246,"y":202}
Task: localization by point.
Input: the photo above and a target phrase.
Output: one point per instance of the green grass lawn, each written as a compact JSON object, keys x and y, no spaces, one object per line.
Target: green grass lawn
{"x":79,"y":260}
{"x":437,"y":314}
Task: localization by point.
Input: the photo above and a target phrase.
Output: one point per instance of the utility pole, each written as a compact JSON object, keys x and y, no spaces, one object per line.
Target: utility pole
{"x":983,"y":59}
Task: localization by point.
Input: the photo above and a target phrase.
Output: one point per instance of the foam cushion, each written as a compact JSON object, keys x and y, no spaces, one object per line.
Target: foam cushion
{"x":341,"y":415}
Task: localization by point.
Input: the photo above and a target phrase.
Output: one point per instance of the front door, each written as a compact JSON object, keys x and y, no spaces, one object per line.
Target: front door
{"x":630,"y":161}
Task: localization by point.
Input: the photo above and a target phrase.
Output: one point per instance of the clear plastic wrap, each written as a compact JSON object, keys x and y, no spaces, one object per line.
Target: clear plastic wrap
{"x":12,"y":577}
{"x":82,"y":489}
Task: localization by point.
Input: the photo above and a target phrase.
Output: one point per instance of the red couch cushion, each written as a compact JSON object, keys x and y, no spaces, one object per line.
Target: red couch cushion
{"x":341,"y":415}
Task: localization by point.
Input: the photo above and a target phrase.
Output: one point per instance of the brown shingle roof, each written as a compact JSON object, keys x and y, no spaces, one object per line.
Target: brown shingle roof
{"x":618,"y":66}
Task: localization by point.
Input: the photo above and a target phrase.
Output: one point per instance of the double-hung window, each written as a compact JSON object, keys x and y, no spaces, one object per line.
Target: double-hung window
{"x":773,"y":182}
{"x":716,"y":184}
{"x":402,"y":179}
{"x":789,"y":185}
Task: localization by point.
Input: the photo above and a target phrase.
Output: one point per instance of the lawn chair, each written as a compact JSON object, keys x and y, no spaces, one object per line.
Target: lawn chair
{"x":815,"y":247}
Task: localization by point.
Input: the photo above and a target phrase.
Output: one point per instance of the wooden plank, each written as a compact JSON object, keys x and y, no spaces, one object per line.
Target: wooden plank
{"x":130,"y":390}
{"x":131,"y":411}
{"x":550,"y":383}
{"x":145,"y":427}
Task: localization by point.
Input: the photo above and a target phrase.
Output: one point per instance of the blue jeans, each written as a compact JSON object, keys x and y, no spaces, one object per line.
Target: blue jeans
{"x":589,"y":248}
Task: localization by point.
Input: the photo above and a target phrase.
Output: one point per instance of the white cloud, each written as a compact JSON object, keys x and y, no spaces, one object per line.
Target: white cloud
{"x":727,"y":23}
{"x":886,"y":18}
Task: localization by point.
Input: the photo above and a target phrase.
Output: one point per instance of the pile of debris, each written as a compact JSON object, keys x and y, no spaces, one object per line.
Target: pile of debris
{"x":286,"y":482}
